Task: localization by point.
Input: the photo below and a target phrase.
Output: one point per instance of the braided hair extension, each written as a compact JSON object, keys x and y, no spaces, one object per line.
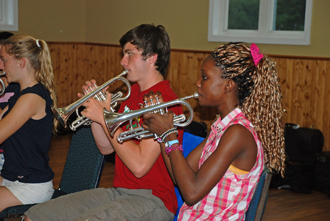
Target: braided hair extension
{"x":259,"y":95}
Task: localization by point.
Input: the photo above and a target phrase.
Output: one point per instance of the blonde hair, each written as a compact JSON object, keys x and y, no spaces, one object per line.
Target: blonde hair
{"x":259,"y":95}
{"x":37,"y":52}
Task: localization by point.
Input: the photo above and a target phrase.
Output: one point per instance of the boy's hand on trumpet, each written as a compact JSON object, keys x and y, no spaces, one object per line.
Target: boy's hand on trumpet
{"x":159,"y":122}
{"x":94,"y":107}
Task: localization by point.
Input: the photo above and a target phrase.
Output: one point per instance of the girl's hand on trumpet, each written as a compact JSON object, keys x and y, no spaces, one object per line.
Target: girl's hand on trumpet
{"x":158,"y":123}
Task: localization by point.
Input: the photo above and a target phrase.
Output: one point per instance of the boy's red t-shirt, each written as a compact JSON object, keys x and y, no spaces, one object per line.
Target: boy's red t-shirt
{"x":158,"y":178}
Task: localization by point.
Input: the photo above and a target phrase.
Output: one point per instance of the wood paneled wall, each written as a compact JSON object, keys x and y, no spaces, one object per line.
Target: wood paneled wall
{"x":305,"y":81}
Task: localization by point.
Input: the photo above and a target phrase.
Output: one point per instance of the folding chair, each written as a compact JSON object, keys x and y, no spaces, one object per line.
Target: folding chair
{"x":258,"y":203}
{"x":82,"y":169}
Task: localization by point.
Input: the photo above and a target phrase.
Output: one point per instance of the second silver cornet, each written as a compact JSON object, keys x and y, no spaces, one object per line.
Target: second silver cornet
{"x":63,"y":114}
{"x":114,"y":120}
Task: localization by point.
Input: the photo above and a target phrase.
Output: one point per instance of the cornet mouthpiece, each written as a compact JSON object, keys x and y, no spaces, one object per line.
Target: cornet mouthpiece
{"x":123,"y":73}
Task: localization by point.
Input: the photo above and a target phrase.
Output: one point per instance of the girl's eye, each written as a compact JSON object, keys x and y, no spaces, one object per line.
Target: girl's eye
{"x":204,"y":77}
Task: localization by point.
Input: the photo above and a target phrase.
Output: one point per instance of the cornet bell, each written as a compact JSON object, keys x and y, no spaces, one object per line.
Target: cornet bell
{"x":61,"y":115}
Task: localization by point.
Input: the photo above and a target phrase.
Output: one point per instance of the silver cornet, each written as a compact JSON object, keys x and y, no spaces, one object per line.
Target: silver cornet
{"x":3,"y":88}
{"x":63,"y":114}
{"x":114,"y":120}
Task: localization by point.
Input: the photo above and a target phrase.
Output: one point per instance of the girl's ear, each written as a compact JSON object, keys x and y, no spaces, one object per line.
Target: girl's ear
{"x":230,"y":86}
{"x":22,"y":62}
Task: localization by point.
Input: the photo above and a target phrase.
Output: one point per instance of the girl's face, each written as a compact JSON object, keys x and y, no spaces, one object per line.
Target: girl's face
{"x":211,"y":85}
{"x":9,"y":64}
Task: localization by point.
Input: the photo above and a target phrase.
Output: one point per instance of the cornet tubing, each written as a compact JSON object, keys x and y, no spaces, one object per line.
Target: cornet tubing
{"x":114,"y":120}
{"x":62,"y":114}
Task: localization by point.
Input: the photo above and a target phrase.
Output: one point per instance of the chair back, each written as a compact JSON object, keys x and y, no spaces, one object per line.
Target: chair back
{"x":84,"y":163}
{"x":258,"y":203}
{"x":82,"y":169}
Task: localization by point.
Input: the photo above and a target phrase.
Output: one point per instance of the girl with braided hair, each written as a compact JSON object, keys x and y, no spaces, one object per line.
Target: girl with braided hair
{"x":26,"y":123}
{"x":218,"y":178}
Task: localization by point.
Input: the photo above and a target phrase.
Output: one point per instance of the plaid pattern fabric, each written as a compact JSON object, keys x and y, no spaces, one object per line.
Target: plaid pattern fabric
{"x":230,"y":198}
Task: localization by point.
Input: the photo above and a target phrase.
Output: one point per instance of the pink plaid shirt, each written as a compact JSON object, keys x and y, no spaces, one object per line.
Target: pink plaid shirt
{"x":230,"y":198}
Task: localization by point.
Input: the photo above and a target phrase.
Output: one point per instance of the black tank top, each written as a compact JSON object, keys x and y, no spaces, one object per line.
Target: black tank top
{"x":26,"y":151}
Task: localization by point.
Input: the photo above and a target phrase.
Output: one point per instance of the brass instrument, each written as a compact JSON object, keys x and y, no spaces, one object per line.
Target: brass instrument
{"x":3,"y":88}
{"x":114,"y":120}
{"x":63,"y":114}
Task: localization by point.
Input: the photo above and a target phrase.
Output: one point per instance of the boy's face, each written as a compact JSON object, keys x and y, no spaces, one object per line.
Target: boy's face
{"x":134,"y":63}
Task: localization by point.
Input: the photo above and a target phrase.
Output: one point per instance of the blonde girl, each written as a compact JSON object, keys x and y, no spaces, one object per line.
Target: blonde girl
{"x":26,"y":124}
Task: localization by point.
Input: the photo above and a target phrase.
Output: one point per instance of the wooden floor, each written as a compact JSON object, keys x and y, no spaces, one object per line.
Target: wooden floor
{"x":281,"y":204}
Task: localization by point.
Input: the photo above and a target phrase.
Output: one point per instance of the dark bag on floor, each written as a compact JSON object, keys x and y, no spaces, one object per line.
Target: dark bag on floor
{"x":298,"y":177}
{"x":302,"y":144}
{"x":322,"y":173}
